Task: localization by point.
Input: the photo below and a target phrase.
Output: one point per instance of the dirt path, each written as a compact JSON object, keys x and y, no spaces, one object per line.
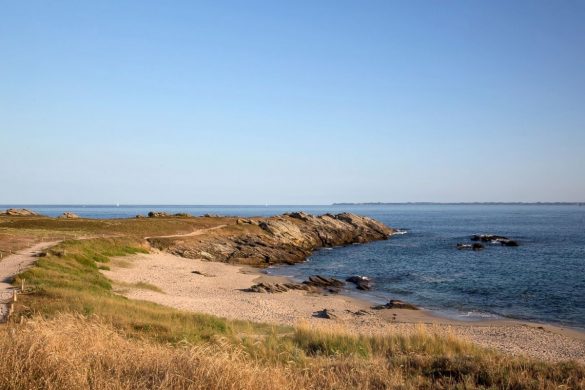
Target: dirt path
{"x":12,"y":265}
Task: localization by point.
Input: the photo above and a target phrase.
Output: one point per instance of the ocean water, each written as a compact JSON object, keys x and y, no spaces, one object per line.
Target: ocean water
{"x":542,"y":280}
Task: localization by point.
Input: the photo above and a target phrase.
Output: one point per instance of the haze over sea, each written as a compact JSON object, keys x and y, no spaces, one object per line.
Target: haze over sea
{"x":542,"y":280}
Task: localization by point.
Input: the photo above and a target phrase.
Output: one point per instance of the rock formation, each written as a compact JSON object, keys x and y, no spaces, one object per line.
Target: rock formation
{"x":396,"y":304}
{"x":68,"y":215}
{"x":494,"y":239}
{"x":19,"y":213}
{"x":288,"y":238}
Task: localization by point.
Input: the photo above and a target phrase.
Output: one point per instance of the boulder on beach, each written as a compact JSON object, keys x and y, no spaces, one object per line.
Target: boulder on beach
{"x":321,"y":281}
{"x":280,"y":287}
{"x":326,"y":313}
{"x":19,"y":213}
{"x":361,"y":282}
{"x":68,"y":215}
{"x":396,"y":304}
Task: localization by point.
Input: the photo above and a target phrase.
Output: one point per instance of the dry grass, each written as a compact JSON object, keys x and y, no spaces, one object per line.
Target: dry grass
{"x":77,"y":352}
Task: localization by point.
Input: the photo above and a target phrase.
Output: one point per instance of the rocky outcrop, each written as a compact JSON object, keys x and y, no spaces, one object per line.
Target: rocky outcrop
{"x":163,"y":214}
{"x":396,"y":304}
{"x":288,"y":238}
{"x":19,"y":213}
{"x":68,"y":215}
{"x":323,"y":282}
{"x":280,"y":287}
{"x":158,"y":214}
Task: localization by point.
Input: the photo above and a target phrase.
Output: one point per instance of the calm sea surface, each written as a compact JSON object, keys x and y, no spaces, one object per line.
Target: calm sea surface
{"x":541,"y":280}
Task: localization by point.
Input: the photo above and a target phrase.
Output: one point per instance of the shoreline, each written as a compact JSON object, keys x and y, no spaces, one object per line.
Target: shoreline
{"x":219,"y":290}
{"x":436,"y":315}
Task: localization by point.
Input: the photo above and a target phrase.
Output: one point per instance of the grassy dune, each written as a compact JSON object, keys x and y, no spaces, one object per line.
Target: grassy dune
{"x":72,"y":331}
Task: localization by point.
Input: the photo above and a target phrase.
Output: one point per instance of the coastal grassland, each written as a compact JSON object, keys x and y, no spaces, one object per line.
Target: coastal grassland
{"x":17,"y":233}
{"x":73,"y":331}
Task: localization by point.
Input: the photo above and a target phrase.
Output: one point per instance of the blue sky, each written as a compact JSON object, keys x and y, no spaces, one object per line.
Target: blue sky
{"x":304,"y":102}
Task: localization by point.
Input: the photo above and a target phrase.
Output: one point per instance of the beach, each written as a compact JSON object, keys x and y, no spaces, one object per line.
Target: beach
{"x":220,"y":289}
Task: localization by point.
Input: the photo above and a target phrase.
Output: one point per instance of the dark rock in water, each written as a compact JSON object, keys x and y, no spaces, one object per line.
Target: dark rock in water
{"x":494,"y":239}
{"x":361,"y":282}
{"x":476,"y":246}
{"x":19,"y":213}
{"x":321,"y":281}
{"x":396,"y":304}
{"x":326,"y":313}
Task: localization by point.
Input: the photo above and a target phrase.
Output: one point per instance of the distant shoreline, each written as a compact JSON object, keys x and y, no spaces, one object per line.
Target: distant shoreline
{"x":155,"y":205}
{"x":463,"y":203}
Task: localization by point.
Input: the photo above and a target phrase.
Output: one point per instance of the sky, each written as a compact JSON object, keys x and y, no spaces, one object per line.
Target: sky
{"x":301,"y":102}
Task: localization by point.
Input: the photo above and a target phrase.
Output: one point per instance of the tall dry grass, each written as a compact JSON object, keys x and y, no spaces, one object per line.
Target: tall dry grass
{"x":74,"y":352}
{"x":77,"y":352}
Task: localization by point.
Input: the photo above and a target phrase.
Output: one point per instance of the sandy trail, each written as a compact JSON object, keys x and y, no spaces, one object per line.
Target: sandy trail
{"x":12,"y":265}
{"x":222,"y":293}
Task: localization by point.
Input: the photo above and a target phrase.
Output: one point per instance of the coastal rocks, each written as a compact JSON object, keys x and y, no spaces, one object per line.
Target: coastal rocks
{"x":162,"y":214}
{"x":158,"y":214}
{"x":494,"y":239}
{"x":396,"y":304}
{"x":475,"y":246}
{"x":324,"y":282}
{"x":279,"y":287}
{"x":68,"y":215}
{"x":361,"y":282}
{"x":19,"y":213}
{"x":288,"y":238}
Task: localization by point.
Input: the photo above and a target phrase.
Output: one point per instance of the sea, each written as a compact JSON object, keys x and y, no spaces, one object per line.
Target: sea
{"x":542,"y":280}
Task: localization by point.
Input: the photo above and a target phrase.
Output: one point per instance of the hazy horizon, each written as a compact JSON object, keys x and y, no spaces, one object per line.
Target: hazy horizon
{"x":302,"y":103}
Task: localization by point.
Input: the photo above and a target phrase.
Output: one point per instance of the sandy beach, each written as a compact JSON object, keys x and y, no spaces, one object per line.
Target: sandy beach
{"x":220,"y":289}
